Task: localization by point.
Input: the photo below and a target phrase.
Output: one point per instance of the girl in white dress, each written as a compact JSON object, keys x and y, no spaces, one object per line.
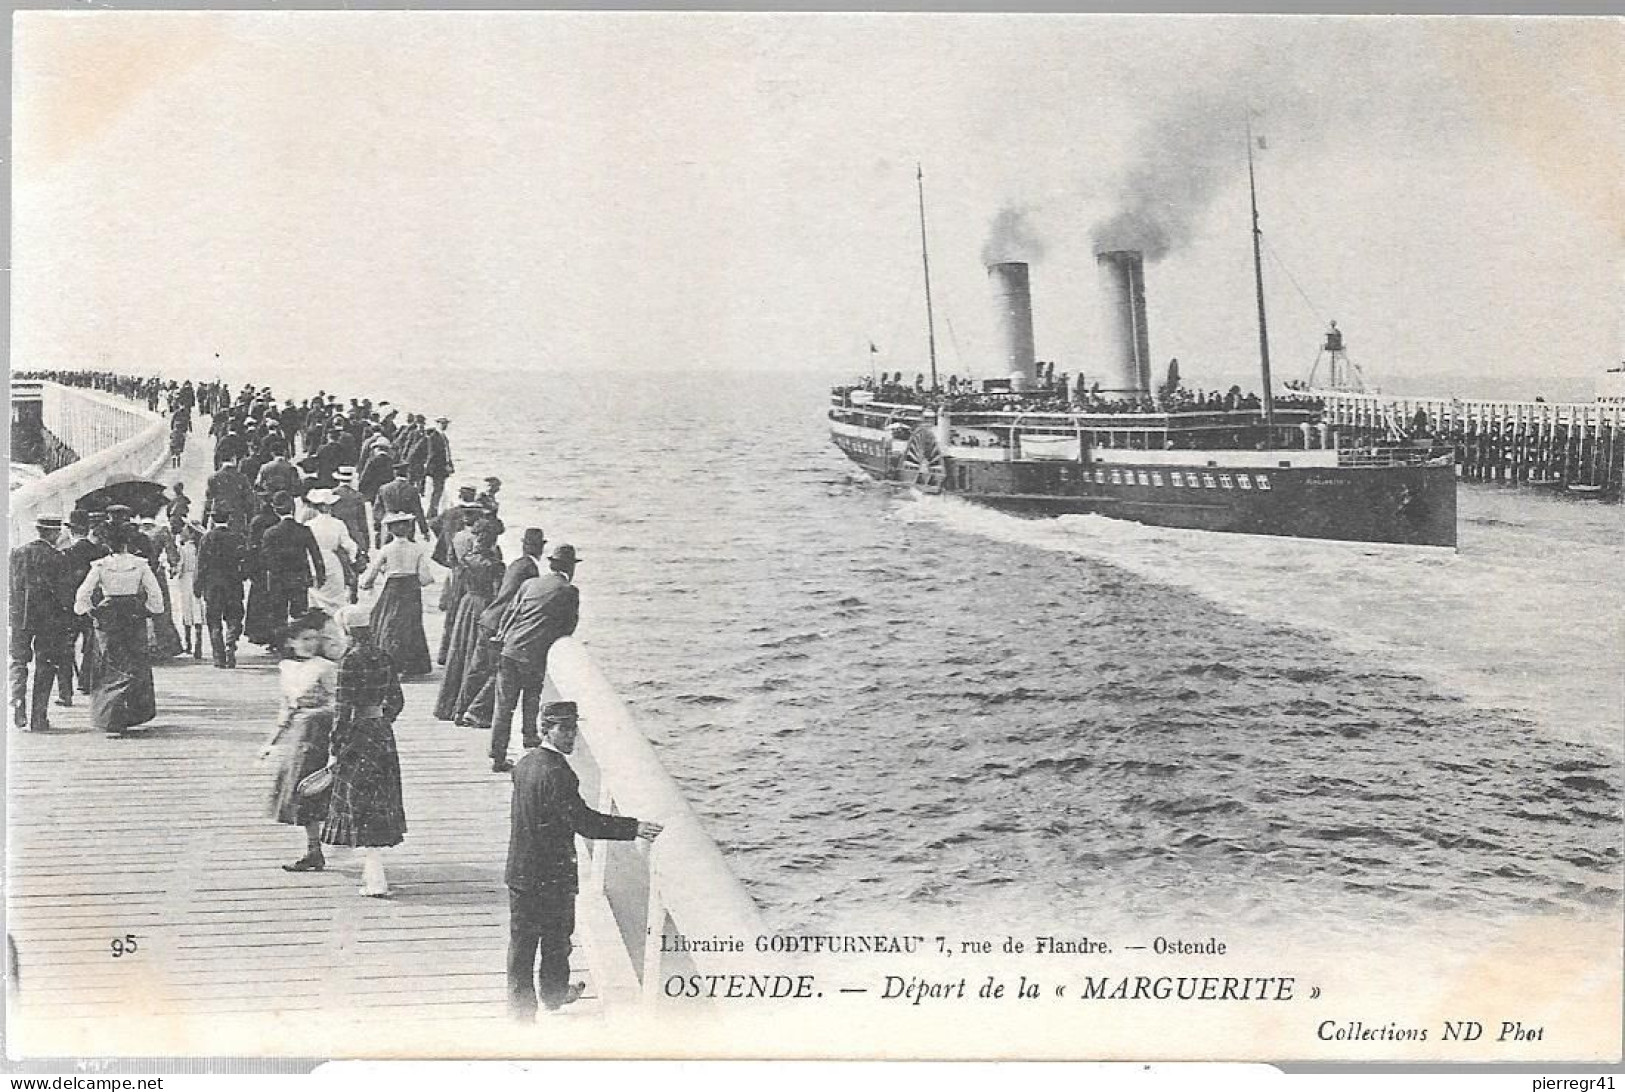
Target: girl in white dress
{"x":188,"y":609}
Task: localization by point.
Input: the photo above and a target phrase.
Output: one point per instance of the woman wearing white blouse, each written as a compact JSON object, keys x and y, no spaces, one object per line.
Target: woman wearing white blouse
{"x":397,"y":618}
{"x":333,"y":539}
{"x":121,"y":595}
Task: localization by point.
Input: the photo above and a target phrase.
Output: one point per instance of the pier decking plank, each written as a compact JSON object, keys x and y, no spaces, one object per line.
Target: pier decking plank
{"x":163,"y":836}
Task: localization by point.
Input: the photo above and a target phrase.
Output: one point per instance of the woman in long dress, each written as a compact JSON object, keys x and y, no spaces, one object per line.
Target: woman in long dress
{"x":339,"y":552}
{"x":397,"y":617}
{"x":365,"y":810}
{"x":165,"y":639}
{"x":121,"y":595}
{"x":481,"y":570}
{"x":303,"y":730}
{"x":188,"y":608}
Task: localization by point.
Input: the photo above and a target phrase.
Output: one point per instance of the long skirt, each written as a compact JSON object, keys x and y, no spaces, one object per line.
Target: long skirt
{"x":455,"y":588}
{"x":166,"y":639}
{"x":332,"y":594}
{"x":121,"y":692}
{"x":259,"y":627}
{"x":476,"y":702}
{"x":451,"y":590}
{"x":397,"y":626}
{"x":365,"y":808}
{"x":188,"y":605}
{"x":462,"y":645}
{"x":303,"y":752}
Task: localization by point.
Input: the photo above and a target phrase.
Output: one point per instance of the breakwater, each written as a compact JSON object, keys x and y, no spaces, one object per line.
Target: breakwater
{"x":86,"y":439}
{"x":1569,"y":445}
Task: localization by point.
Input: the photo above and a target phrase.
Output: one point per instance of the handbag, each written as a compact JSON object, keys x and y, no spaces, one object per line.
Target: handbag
{"x":313,"y":785}
{"x":316,"y":784}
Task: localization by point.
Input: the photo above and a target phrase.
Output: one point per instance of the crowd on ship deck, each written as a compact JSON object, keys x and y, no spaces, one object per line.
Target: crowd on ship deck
{"x":1054,"y":393}
{"x":315,"y":507}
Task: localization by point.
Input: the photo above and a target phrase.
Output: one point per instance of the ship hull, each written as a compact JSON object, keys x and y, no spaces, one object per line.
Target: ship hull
{"x":1403,"y":505}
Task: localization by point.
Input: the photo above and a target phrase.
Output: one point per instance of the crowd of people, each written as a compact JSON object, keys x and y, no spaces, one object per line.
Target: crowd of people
{"x":313,"y":508}
{"x":1052,"y":393}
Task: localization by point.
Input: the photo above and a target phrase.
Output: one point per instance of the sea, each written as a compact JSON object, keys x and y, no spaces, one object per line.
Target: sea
{"x":892,"y":708}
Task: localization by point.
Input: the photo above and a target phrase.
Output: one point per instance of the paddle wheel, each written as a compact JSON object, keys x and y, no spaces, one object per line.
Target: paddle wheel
{"x":923,"y":464}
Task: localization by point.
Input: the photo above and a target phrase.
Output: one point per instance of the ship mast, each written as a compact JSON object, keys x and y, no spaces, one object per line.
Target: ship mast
{"x":1258,"y":280}
{"x":925,"y":259}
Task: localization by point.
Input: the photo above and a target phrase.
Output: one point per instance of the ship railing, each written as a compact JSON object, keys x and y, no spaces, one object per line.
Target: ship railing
{"x":1389,"y":456}
{"x":1039,"y":420}
{"x":876,"y":415}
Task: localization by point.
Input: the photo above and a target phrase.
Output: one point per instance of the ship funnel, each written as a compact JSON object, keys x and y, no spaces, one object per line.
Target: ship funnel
{"x":1013,"y":317}
{"x":1126,"y":354}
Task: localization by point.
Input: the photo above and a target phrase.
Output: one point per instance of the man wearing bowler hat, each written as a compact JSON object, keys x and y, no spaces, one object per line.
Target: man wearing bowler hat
{"x":41,"y":610}
{"x":546,"y":816}
{"x":546,"y":608}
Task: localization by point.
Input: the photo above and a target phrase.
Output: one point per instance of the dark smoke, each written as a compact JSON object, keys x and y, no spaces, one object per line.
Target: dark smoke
{"x":1183,"y":159}
{"x":1010,"y":238}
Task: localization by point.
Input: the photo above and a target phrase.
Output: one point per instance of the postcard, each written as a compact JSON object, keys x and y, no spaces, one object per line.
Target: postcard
{"x":544,"y":534}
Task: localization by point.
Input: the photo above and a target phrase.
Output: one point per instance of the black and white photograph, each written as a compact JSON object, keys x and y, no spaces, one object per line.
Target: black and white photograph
{"x":846,"y":535}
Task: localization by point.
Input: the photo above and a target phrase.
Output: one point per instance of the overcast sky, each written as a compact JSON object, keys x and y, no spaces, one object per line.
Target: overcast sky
{"x":652,"y":191}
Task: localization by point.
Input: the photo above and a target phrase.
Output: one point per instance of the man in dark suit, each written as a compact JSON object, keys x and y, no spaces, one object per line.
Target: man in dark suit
{"x":278,"y":475}
{"x":219,"y":581}
{"x":229,"y":491}
{"x":41,"y":609}
{"x":483,"y":670}
{"x":289,"y":556}
{"x":546,"y":608}
{"x":229,"y":448}
{"x":546,"y":815}
{"x":79,"y":553}
{"x":437,"y":461}
{"x":399,"y":495}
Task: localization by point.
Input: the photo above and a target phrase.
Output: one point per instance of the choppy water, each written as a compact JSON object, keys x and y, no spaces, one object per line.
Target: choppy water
{"x":876,"y":699}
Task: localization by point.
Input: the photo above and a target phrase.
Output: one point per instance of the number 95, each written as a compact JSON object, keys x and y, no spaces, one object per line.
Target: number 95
{"x":125,"y":945}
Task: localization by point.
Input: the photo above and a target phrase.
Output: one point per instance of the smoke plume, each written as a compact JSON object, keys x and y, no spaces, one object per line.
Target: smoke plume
{"x":1011,"y":238}
{"x":1189,"y":152}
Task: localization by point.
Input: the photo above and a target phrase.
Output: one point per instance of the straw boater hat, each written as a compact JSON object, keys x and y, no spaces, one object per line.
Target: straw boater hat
{"x":345,"y":475}
{"x":399,"y":517}
{"x":320,"y":496}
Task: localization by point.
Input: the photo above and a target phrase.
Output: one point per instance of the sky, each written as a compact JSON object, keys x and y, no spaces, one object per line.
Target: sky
{"x":290,"y":195}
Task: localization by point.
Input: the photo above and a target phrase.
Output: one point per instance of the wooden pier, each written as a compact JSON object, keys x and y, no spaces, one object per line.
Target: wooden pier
{"x":151,"y":915}
{"x":1575,"y":446}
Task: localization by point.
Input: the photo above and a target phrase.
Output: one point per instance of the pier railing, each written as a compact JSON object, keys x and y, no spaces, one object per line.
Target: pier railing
{"x":1375,"y":411}
{"x":1577,"y":444}
{"x":681,"y":884}
{"x":111,"y":436}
